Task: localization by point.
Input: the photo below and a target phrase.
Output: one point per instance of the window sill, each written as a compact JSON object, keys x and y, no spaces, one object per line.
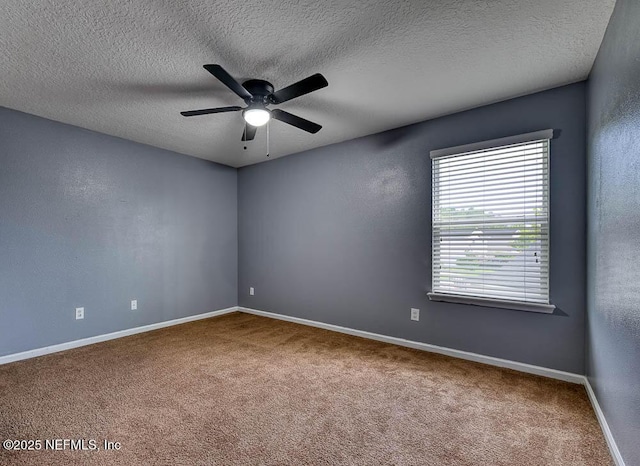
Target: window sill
{"x":503,"y":304}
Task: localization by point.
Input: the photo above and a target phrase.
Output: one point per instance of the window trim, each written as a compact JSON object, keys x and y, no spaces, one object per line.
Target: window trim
{"x":477,"y":300}
{"x":492,"y":302}
{"x":527,"y":137}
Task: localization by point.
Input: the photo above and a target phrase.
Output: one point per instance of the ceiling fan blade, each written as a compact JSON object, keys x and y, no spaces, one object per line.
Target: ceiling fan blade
{"x":296,"y":121}
{"x":207,"y":111}
{"x":226,"y":79}
{"x":310,"y":84}
{"x":249,"y":132}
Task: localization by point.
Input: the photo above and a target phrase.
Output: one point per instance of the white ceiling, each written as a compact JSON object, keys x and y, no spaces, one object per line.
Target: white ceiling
{"x":127,"y":68}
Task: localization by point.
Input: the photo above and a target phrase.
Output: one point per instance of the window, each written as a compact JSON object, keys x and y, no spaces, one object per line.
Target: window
{"x":491,"y":223}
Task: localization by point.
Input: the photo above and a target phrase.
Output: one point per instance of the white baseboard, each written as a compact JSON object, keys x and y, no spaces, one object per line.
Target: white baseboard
{"x":613,"y":447}
{"x":518,"y":366}
{"x":109,"y":336}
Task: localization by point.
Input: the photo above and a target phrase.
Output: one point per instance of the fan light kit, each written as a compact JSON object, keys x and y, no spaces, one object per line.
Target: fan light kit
{"x":257,"y":95}
{"x":256,"y":116}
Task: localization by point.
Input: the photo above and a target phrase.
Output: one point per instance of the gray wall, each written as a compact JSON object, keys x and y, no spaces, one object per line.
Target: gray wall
{"x":613,"y":330}
{"x":341,"y":234}
{"x":92,"y":220}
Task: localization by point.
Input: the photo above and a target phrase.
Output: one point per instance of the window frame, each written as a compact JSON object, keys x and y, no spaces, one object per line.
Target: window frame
{"x":480,"y":300}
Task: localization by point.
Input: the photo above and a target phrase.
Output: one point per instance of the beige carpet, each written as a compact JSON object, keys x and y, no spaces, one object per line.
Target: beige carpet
{"x":241,"y":389}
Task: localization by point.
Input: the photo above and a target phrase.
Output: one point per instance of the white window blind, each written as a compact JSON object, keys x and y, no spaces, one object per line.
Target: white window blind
{"x":491,"y":223}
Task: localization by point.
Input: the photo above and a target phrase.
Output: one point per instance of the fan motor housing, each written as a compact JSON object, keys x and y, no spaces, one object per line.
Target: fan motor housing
{"x":259,"y":88}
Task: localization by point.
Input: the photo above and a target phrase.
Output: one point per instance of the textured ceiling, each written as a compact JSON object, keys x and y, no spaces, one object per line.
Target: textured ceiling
{"x":127,"y":68}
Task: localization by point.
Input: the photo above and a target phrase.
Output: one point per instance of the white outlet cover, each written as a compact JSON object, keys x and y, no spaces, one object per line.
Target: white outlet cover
{"x":251,"y":291}
{"x":415,"y":314}
{"x":134,"y":304}
{"x":79,"y":313}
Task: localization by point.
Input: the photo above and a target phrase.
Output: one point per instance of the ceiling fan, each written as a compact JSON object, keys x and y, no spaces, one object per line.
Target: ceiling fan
{"x":258,"y":94}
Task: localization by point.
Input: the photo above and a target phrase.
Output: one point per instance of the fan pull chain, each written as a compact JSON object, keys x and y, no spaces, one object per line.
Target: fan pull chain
{"x":244,"y":142}
{"x":268,"y":126}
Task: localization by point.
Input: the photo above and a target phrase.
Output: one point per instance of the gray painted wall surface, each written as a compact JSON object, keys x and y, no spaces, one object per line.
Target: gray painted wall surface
{"x":613,"y":329}
{"x":341,"y":234}
{"x":92,"y":220}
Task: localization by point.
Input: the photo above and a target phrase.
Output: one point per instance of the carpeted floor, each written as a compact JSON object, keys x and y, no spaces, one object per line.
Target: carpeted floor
{"x":241,"y":389}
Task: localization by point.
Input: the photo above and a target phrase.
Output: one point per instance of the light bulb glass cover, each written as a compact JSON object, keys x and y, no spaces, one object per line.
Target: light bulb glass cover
{"x":256,"y":116}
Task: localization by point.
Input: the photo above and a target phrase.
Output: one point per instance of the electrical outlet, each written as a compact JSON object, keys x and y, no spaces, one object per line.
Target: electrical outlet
{"x":79,"y":313}
{"x":134,"y":304}
{"x":252,"y":291}
{"x":415,"y":314}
